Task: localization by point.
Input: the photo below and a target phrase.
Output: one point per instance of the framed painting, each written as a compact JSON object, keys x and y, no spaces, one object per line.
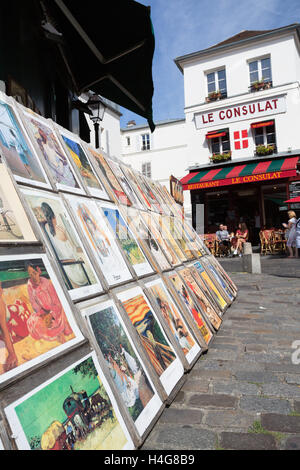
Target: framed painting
{"x":204,"y":302}
{"x":218,"y":279}
{"x":129,"y":173}
{"x":108,"y":176}
{"x":211,"y":286}
{"x":61,"y":237}
{"x":100,"y":239}
{"x":51,"y":151}
{"x":74,"y":410}
{"x":125,"y":183}
{"x":174,"y":319}
{"x":152,"y":337}
{"x":164,"y":224}
{"x":146,"y":236}
{"x":208,"y":292}
{"x":36,"y":320}
{"x":192,"y":240}
{"x":211,"y":259}
{"x":190,"y":304}
{"x":179,"y":236}
{"x":153,"y":227}
{"x":14,"y":223}
{"x":16,"y":148}
{"x":155,"y":204}
{"x":128,"y":242}
{"x":124,"y":363}
{"x":75,"y":151}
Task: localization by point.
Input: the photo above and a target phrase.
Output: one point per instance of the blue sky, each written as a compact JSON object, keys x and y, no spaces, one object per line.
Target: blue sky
{"x":185,"y":26}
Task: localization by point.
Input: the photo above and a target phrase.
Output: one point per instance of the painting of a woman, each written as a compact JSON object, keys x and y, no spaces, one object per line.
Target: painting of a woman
{"x":11,"y":361}
{"x":48,"y":320}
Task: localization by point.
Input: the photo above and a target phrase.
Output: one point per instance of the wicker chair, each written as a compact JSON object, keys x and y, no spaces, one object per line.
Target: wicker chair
{"x":210,"y":240}
{"x":266,"y":239}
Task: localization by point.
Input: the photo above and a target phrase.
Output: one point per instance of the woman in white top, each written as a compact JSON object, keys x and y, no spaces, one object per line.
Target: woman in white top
{"x":291,"y":242}
{"x":297,"y":237}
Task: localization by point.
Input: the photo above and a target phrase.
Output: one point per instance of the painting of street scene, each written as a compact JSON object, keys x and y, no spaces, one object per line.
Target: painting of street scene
{"x":72,"y":412}
{"x":123,"y":363}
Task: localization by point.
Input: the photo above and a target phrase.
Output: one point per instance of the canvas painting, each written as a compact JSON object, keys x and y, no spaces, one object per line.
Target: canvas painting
{"x":218,"y":278}
{"x":52,"y":152}
{"x":16,"y":149}
{"x":195,"y":312}
{"x":110,"y":178}
{"x":211,"y":286}
{"x":128,"y":242}
{"x":135,"y":220}
{"x":125,"y":183}
{"x":61,"y":236}
{"x":124,"y":363}
{"x":100,"y":239}
{"x":36,"y":321}
{"x":206,"y":306}
{"x":174,"y":319}
{"x":204,"y":287}
{"x":156,"y":345}
{"x":155,"y":205}
{"x":80,"y":158}
{"x":74,"y":410}
{"x":130,"y":176}
{"x":153,"y":228}
{"x":211,"y":259}
{"x":179,"y":236}
{"x":167,"y":235}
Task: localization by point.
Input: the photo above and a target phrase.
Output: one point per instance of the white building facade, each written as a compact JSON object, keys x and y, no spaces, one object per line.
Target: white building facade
{"x":242,"y":108}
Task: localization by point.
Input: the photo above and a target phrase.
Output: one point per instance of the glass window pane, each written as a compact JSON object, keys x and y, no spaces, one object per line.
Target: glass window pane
{"x":259,"y":131}
{"x":221,"y":74}
{"x":253,"y":66}
{"x":211,"y":87}
{"x":266,"y":74}
{"x":226,"y":146}
{"x":259,"y":140}
{"x":210,"y":77}
{"x":270,"y":138}
{"x":222,"y":85}
{"x":266,"y":63}
{"x":253,"y":77}
{"x":215,"y":145}
{"x":270,"y":129}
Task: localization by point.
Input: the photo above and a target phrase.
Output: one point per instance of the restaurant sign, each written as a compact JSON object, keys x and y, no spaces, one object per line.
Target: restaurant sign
{"x":250,"y":110}
{"x":240,"y":180}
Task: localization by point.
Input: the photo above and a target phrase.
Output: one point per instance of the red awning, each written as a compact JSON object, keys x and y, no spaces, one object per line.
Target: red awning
{"x":295,"y":199}
{"x":212,"y":135}
{"x":255,"y":125}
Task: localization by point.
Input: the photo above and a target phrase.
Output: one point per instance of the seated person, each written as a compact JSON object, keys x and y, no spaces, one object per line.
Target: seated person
{"x":241,"y":236}
{"x":223,"y":238}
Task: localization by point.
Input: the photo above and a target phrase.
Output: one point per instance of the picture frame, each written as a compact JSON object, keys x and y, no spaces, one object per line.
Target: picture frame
{"x":218,"y":280}
{"x":129,"y":173}
{"x":50,"y":151}
{"x":78,"y":156}
{"x":128,"y":371}
{"x":161,"y":355}
{"x":215,"y":292}
{"x":16,"y":148}
{"x":127,"y":240}
{"x":60,"y":235}
{"x":37,"y":320}
{"x":91,"y":224}
{"x":125,"y":183}
{"x":70,"y":418}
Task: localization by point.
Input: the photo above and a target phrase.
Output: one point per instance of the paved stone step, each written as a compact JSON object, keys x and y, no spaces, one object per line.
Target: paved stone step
{"x":247,"y":441}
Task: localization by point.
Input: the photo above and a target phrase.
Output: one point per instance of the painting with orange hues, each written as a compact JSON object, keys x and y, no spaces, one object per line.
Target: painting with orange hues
{"x":36,"y":320}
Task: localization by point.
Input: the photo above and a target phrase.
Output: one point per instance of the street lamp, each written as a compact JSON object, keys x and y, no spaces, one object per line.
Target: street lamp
{"x":97,"y":106}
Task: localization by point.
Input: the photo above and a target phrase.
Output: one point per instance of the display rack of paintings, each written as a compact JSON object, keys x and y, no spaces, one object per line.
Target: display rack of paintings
{"x":73,"y":410}
{"x":163,"y":223}
{"x":155,"y":205}
{"x":16,"y":148}
{"x":211,"y":259}
{"x":153,"y":340}
{"x":131,"y":177}
{"x":146,"y":239}
{"x":215,"y":292}
{"x":179,"y":327}
{"x":61,"y":237}
{"x":50,"y":150}
{"x":152,"y":225}
{"x":218,"y":280}
{"x":201,"y":296}
{"x":36,"y":319}
{"x":125,"y":183}
{"x":91,"y":224}
{"x":179,"y":236}
{"x":107,"y":176}
{"x":128,"y":243}
{"x":14,"y":223}
{"x":180,"y":291}
{"x":78,"y":156}
{"x":127,"y":370}
{"x":209,"y":295}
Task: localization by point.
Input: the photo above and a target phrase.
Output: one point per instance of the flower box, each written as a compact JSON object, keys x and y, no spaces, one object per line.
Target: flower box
{"x":220,"y":157}
{"x":260,"y":85}
{"x":214,"y":96}
{"x":265,"y":150}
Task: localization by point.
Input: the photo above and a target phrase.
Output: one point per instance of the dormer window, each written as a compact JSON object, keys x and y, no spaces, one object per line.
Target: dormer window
{"x":260,"y":74}
{"x":216,"y":85}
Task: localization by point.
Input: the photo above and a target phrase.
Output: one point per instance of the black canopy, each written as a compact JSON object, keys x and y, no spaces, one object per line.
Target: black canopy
{"x":108,"y":48}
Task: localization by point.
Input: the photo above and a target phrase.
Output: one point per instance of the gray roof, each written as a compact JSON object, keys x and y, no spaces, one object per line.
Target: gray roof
{"x":239,"y":38}
{"x":157,"y":123}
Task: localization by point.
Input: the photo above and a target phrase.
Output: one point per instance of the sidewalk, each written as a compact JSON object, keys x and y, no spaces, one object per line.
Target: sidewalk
{"x":245,"y":392}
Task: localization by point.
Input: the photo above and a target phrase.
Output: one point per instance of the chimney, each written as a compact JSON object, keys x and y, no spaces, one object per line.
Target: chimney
{"x":131,"y":123}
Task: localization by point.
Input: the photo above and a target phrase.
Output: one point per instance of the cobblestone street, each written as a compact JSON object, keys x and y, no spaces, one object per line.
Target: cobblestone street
{"x":244,"y":393}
